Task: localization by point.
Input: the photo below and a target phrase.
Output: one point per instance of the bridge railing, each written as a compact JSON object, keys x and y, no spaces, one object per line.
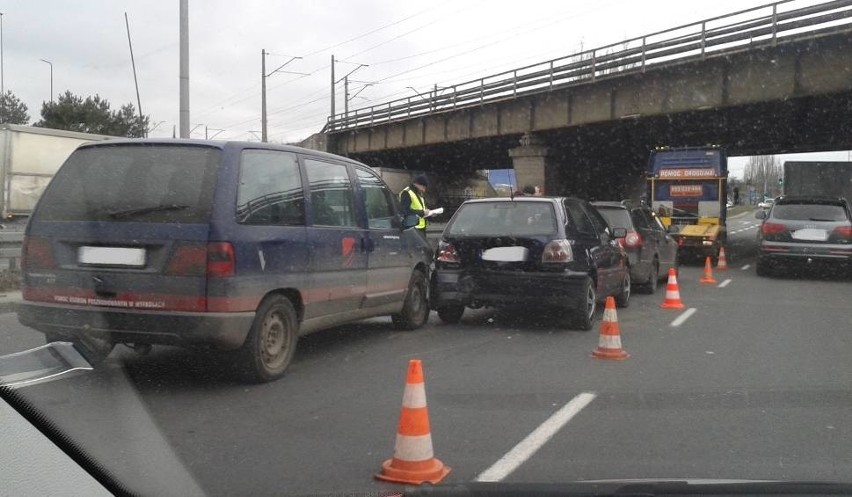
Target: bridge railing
{"x":750,"y":28}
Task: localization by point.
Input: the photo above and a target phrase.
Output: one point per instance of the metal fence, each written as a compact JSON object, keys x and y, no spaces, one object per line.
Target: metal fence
{"x":746,"y":29}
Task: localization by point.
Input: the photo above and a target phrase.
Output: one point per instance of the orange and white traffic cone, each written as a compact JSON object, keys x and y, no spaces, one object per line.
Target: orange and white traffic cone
{"x":708,"y":272}
{"x":722,"y":265}
{"x":672,"y":300}
{"x":609,"y":342}
{"x":413,"y":461}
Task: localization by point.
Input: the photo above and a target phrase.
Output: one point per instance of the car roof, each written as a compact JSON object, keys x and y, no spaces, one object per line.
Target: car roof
{"x":809,"y":199}
{"x":610,"y":204}
{"x":519,"y":198}
{"x":222,"y":145}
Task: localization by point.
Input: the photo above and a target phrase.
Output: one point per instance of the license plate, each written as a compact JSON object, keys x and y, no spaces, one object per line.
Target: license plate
{"x":811,"y":235}
{"x":506,"y":254}
{"x":111,"y":256}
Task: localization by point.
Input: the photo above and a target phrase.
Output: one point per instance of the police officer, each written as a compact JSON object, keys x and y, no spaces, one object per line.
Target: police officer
{"x":413,"y":204}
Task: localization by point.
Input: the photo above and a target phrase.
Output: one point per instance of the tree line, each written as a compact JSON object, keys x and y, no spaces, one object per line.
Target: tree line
{"x":74,"y":113}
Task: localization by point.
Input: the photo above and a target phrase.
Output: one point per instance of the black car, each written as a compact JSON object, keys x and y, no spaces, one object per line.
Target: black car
{"x":651,"y":251}
{"x":529,"y":252}
{"x":805,"y":231}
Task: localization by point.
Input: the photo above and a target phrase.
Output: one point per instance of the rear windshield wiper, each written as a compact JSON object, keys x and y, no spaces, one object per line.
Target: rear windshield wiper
{"x":821,"y":220}
{"x":146,"y":210}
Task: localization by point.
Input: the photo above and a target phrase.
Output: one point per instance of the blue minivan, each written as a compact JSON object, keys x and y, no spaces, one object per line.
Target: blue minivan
{"x":239,"y":246}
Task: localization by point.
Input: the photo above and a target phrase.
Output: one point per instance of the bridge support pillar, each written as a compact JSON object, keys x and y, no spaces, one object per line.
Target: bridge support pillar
{"x":532,"y":163}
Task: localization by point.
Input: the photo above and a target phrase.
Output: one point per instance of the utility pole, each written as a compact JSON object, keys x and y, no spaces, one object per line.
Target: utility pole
{"x":332,"y":86}
{"x":2,"y":85}
{"x":263,"y":76}
{"x":184,"y":69}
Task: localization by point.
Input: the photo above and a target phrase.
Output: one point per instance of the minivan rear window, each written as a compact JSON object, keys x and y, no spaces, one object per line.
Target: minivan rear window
{"x":133,"y":183}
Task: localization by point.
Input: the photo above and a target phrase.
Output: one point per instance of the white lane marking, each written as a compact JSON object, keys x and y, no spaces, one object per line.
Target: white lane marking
{"x":535,"y":440}
{"x":725,"y":283}
{"x":683,"y":317}
{"x":745,"y":267}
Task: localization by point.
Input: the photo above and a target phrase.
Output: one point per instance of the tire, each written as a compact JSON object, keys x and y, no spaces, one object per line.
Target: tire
{"x":623,"y":298}
{"x":415,"y":311}
{"x":650,"y":287}
{"x":450,"y":313}
{"x":762,"y":268}
{"x":585,"y":315}
{"x":271,"y":342}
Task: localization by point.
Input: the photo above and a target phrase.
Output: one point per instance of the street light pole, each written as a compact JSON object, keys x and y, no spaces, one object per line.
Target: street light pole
{"x":263,"y":76}
{"x":2,"y":85}
{"x":51,"y":77}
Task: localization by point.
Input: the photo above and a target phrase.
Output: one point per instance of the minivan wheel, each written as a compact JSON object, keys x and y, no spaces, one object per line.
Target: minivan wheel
{"x":585,"y":314}
{"x":271,"y":342}
{"x":415,"y":311}
{"x":450,"y":313}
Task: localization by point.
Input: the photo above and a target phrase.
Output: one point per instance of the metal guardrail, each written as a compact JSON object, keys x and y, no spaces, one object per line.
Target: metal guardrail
{"x":750,"y":28}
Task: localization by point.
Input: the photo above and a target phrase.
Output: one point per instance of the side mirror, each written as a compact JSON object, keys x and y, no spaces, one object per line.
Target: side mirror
{"x":619,"y":232}
{"x":761,"y":214}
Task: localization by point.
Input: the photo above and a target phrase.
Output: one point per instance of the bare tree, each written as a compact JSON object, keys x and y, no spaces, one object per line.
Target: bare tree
{"x":762,"y":172}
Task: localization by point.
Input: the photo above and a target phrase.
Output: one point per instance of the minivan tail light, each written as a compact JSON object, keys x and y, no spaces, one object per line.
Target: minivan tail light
{"x":557,"y":251}
{"x":447,"y":253}
{"x":214,"y":259}
{"x":37,"y":253}
{"x":220,"y":259}
{"x":772,"y":228}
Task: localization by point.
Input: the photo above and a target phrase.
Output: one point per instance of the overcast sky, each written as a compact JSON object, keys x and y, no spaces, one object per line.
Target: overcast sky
{"x":404,"y":43}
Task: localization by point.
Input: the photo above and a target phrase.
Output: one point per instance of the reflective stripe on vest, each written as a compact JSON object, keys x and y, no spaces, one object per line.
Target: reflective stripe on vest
{"x":416,"y":205}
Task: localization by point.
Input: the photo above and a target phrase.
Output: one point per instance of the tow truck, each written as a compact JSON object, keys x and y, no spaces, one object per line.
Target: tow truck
{"x":687,"y":189}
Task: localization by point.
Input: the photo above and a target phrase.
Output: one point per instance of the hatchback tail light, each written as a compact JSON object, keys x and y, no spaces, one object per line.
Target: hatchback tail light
{"x":557,"y":251}
{"x":36,"y":253}
{"x":773,"y":228}
{"x":631,"y":240}
{"x":447,"y":253}
{"x":215,"y":259}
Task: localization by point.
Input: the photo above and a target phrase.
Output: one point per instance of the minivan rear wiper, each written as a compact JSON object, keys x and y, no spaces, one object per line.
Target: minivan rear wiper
{"x":146,"y":210}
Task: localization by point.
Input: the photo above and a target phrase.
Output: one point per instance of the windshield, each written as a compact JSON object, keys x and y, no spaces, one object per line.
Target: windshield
{"x":434,"y":244}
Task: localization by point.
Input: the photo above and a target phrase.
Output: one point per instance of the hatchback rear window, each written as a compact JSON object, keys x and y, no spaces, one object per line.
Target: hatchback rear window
{"x":133,"y":183}
{"x":809,"y":212}
{"x":504,"y":218}
{"x":616,"y":218}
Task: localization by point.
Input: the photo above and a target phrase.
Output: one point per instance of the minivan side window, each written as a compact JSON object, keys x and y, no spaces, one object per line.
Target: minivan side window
{"x":270,"y":190}
{"x":378,"y":200}
{"x":331,"y":194}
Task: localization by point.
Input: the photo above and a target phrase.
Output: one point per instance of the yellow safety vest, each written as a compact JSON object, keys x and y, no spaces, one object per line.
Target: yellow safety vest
{"x":416,"y":205}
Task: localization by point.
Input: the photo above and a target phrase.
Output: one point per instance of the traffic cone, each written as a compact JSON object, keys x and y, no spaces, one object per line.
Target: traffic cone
{"x":413,"y":461}
{"x":722,"y":265}
{"x":672,"y":300}
{"x":609,"y":342}
{"x":708,"y":272}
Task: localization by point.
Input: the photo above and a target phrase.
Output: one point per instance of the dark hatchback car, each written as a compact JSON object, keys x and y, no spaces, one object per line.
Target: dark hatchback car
{"x":805,"y":231}
{"x":529,"y":252}
{"x":238,"y":246}
{"x":651,"y":251}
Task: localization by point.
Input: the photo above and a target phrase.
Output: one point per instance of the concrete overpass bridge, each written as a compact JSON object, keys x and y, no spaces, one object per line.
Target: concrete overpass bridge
{"x":773,"y":79}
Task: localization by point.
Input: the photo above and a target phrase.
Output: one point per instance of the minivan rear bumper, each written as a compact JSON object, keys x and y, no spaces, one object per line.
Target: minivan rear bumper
{"x":224,"y":330}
